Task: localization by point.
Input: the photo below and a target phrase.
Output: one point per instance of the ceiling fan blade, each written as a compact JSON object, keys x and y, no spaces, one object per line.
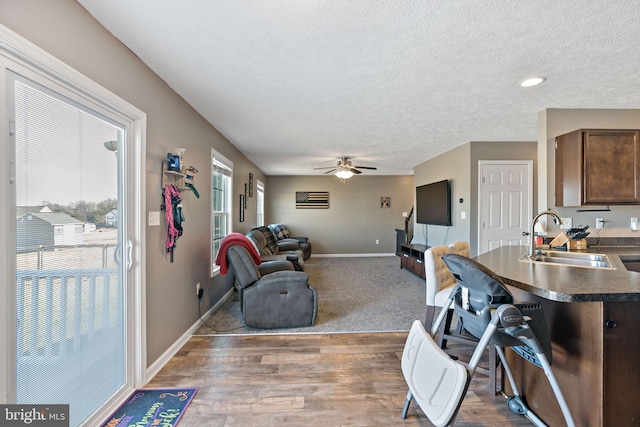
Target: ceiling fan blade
{"x":332,"y":170}
{"x":354,"y":170}
{"x":366,"y":167}
{"x":327,"y":167}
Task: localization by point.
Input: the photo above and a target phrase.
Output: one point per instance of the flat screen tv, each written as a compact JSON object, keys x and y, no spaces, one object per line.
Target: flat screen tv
{"x":433,"y":203}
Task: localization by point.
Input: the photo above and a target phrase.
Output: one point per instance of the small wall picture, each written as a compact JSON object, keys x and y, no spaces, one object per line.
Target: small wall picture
{"x":250,"y":184}
{"x":385,"y":202}
{"x":242,"y":208}
{"x":246,"y":196}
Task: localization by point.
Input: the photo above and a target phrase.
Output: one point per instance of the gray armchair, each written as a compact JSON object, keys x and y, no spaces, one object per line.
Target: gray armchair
{"x":269,"y":248}
{"x":284,"y":235}
{"x":282,"y":299}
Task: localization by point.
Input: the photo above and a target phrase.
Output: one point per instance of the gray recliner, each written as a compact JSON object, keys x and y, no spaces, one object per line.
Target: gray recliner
{"x":284,"y":235}
{"x":269,"y":248}
{"x":282,"y":299}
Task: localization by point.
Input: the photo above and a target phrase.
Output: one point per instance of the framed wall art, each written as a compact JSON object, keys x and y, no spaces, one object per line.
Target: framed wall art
{"x":242,"y":208}
{"x":385,"y":202}
{"x":312,"y":200}
{"x":250,"y":184}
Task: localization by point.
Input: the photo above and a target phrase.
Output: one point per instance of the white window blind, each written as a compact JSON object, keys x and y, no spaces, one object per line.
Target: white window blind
{"x":70,"y":341}
{"x":260,"y":203}
{"x":221,"y":221}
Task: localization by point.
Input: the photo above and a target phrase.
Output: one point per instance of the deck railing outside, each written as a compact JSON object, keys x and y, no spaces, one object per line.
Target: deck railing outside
{"x":59,"y":309}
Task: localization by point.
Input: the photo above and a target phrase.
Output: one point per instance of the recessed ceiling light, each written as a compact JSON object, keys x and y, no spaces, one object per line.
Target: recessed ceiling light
{"x":534,"y":81}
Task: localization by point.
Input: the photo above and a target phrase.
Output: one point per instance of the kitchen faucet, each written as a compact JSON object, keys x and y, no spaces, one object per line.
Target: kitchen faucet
{"x":532,"y":243}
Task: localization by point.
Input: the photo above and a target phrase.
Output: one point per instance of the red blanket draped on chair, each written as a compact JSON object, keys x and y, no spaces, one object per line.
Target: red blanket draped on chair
{"x":235,"y":239}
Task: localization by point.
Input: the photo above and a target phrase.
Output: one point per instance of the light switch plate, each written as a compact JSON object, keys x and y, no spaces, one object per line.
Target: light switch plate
{"x":567,"y":223}
{"x":634,"y":223}
{"x":154,"y":218}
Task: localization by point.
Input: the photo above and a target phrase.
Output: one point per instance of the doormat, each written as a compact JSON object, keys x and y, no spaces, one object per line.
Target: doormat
{"x":152,"y":407}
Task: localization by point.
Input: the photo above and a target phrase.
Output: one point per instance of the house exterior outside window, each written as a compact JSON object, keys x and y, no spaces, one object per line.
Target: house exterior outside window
{"x":111,"y":219}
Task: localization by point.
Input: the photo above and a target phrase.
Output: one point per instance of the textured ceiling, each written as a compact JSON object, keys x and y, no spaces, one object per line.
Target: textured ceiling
{"x":297,"y":84}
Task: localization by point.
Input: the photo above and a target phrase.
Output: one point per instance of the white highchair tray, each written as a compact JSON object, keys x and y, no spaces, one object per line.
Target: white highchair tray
{"x":437,"y":382}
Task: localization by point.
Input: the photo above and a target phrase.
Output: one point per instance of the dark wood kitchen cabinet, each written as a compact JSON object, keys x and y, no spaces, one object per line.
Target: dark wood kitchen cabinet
{"x":598,"y":167}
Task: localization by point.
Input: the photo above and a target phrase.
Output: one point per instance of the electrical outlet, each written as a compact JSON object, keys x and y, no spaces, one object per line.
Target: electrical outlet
{"x":634,"y":223}
{"x":599,"y":223}
{"x":377,"y":242}
{"x":567,"y":223}
{"x":198,"y":289}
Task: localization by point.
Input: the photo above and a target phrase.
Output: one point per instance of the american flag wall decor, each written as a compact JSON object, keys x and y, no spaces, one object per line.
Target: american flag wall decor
{"x":312,"y":200}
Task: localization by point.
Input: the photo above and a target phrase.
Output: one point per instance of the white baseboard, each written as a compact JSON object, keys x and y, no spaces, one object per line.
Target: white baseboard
{"x":156,"y":366}
{"x":351,"y":255}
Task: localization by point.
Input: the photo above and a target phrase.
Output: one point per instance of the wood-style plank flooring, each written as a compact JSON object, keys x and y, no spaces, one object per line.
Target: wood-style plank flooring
{"x":310,"y":380}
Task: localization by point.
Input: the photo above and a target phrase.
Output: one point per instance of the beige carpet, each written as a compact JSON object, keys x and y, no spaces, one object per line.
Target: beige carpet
{"x":369,"y":294}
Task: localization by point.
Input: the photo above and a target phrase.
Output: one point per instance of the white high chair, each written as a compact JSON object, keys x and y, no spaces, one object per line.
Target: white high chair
{"x":485,"y":306}
{"x":440,"y":282}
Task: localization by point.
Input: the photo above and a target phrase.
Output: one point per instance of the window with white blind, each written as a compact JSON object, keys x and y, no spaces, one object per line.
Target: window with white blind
{"x":260,"y":203}
{"x":221,"y":220}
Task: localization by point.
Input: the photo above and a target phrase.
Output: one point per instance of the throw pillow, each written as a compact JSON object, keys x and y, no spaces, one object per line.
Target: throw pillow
{"x":280,"y":231}
{"x":272,"y":240}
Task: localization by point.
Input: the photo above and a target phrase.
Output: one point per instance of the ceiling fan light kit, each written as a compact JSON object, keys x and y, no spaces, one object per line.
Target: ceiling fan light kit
{"x":345,"y":169}
{"x":344,"y":174}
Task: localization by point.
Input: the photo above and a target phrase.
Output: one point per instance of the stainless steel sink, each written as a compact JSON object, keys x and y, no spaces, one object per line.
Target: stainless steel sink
{"x":572,"y":259}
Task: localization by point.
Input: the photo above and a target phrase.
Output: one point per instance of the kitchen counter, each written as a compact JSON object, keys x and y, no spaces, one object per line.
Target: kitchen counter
{"x":564,"y":283}
{"x":593,"y":317}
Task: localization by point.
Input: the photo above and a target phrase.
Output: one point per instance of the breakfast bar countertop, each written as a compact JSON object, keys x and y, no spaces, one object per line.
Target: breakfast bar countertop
{"x":565,"y":283}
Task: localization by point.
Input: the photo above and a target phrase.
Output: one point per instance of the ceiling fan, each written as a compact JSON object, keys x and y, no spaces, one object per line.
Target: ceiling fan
{"x":345,"y":169}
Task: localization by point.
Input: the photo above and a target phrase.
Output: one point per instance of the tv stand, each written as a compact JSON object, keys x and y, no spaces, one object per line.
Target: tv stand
{"x":412,"y":258}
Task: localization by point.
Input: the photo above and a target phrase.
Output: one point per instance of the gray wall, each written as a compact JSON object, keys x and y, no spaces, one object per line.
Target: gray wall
{"x":560,"y":121}
{"x":460,"y":165}
{"x":65,"y":30}
{"x":354,"y":219}
{"x":454,"y":166}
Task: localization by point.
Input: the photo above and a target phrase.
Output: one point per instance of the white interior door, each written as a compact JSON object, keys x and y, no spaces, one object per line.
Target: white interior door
{"x":506,"y":205}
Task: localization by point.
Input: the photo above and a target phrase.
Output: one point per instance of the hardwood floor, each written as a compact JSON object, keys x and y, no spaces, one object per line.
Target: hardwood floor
{"x":310,"y":380}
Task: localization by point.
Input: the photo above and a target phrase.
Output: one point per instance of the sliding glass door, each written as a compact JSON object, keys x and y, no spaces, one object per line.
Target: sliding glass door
{"x":70,"y":251}
{"x":72,"y":164}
